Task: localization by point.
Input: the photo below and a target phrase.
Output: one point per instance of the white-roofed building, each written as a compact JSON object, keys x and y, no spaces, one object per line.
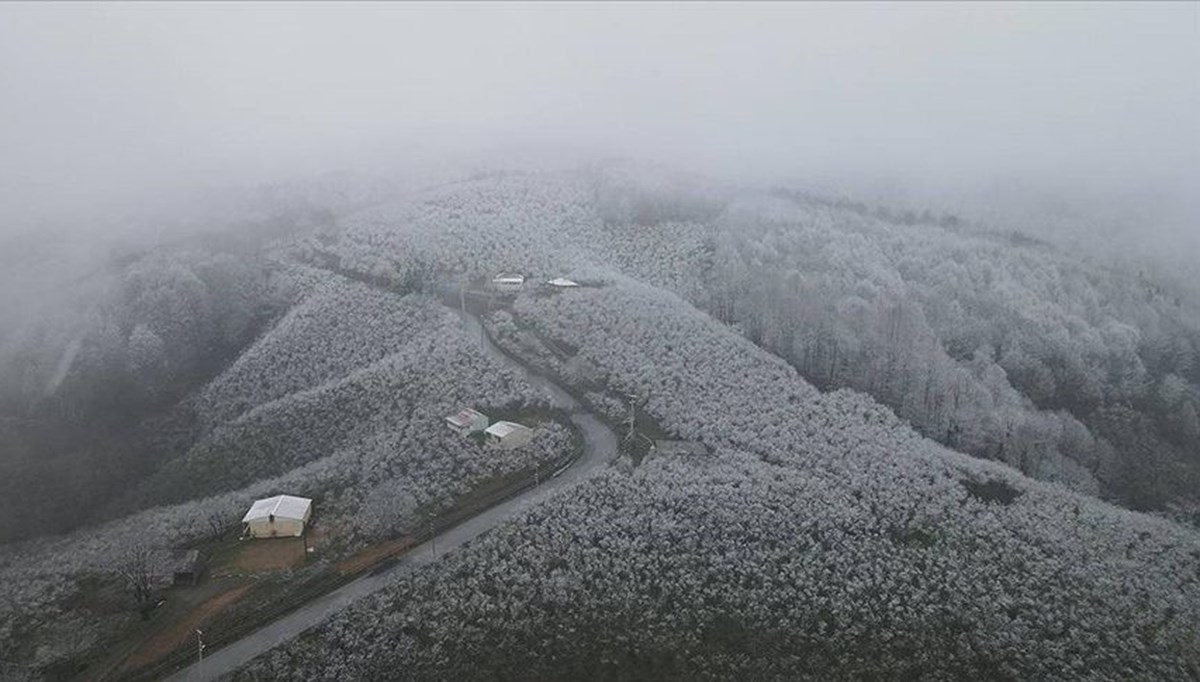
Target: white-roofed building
{"x":508,"y":434}
{"x":508,"y":282}
{"x":467,"y":421}
{"x":282,"y":516}
{"x":562,"y":283}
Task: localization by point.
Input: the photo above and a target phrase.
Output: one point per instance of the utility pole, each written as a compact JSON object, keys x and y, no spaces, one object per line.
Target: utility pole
{"x":632,"y":416}
{"x":199,"y":647}
{"x":432,"y":537}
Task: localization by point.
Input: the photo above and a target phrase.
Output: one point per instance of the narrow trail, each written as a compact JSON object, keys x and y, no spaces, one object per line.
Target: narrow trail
{"x":599,"y":448}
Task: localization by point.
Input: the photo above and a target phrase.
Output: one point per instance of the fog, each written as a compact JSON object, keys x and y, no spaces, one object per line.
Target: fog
{"x":887,"y":298}
{"x":119,"y":104}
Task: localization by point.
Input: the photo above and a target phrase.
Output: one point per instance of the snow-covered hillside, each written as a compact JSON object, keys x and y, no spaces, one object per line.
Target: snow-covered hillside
{"x":826,"y":536}
{"x":823,"y":539}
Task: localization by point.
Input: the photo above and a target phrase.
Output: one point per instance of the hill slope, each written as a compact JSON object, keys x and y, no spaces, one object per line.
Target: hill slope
{"x":834,"y":526}
{"x":823,"y":539}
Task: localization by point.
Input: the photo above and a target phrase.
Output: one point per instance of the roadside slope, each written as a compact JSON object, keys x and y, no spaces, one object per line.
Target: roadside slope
{"x":824,"y":539}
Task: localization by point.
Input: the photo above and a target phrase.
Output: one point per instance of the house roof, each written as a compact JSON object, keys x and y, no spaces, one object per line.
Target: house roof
{"x":562,"y":282}
{"x":502,"y":429}
{"x":509,"y":278}
{"x":465,"y":417}
{"x":281,"y":506}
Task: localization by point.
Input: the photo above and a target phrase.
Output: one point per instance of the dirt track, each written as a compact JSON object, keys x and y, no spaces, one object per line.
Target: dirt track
{"x":181,"y":630}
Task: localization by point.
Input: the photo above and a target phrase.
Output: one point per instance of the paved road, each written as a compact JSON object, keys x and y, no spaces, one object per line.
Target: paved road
{"x":599,"y":447}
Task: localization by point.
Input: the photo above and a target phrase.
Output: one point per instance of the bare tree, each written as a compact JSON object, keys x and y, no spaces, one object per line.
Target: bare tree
{"x":387,"y":509}
{"x":217,"y":522}
{"x":136,"y":568}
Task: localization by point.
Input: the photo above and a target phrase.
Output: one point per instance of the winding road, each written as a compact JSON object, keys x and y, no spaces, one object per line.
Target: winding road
{"x":599,"y":447}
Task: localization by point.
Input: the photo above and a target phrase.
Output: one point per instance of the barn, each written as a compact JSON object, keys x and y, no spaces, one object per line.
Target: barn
{"x":508,"y":434}
{"x":170,"y":567}
{"x":467,"y":421}
{"x":282,"y":516}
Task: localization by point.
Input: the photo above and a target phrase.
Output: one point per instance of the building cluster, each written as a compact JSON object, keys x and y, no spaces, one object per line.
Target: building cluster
{"x":512,"y":283}
{"x":503,"y":434}
{"x":285,"y":516}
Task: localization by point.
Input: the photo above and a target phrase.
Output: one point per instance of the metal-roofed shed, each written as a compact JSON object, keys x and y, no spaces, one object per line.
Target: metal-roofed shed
{"x":467,"y":421}
{"x":508,"y":434}
{"x":279,"y":516}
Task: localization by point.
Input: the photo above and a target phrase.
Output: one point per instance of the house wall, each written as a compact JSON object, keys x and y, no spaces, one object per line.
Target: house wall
{"x":515,"y":439}
{"x":283,"y":528}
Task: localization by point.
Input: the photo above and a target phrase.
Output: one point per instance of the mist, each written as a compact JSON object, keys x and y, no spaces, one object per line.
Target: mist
{"x":803,"y":340}
{"x":120,"y":105}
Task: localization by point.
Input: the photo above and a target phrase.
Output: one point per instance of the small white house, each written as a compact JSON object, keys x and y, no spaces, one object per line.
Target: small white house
{"x":508,"y":282}
{"x":508,"y":434}
{"x":467,"y":421}
{"x":562,"y":283}
{"x":282,"y":516}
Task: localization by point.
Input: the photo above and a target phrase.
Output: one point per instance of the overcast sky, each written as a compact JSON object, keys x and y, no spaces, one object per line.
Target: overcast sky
{"x":101,"y":101}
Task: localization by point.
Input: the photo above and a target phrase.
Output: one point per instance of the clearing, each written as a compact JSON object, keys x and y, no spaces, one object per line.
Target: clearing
{"x":256,"y":556}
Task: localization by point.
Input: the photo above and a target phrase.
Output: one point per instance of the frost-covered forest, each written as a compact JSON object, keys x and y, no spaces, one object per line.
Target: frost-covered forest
{"x":824,"y":538}
{"x":342,"y":399}
{"x":1005,"y":349}
{"x":599,"y":341}
{"x":739,"y":568}
{"x":926,"y":437}
{"x":994,"y":344}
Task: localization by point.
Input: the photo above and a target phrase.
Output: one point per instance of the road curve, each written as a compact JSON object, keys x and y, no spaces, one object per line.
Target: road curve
{"x":599,"y":447}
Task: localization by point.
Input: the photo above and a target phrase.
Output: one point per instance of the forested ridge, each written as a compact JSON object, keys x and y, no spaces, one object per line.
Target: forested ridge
{"x":351,"y":418}
{"x":93,"y":402}
{"x":817,"y":347}
{"x":822,"y":539}
{"x":997,"y":345}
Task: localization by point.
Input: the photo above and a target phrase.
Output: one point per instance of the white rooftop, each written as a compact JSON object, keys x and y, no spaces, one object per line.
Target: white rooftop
{"x":508,"y":278}
{"x":502,"y":429}
{"x":281,"y":506}
{"x":562,"y":282}
{"x":465,"y":417}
